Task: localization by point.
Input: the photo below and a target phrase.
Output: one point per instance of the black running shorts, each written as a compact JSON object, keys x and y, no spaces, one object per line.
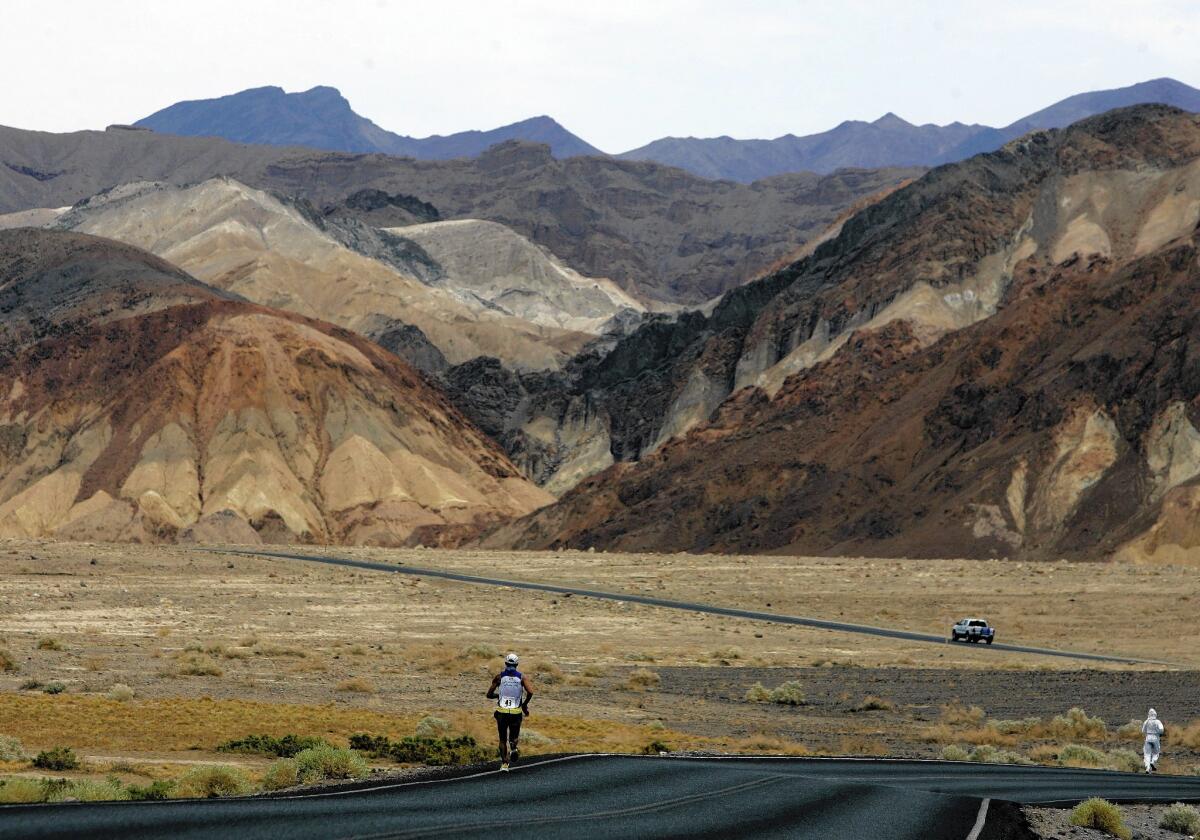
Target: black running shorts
{"x":508,"y":726}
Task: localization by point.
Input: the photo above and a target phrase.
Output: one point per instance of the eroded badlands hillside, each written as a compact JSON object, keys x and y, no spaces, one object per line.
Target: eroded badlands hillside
{"x":145,"y":406}
{"x":1000,"y":359}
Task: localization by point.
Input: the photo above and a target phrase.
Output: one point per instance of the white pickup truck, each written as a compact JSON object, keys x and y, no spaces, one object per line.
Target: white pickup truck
{"x":972,"y":630}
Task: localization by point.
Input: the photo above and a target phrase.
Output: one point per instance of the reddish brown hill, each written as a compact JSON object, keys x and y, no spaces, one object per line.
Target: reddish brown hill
{"x":206,"y":418}
{"x":1052,"y":410}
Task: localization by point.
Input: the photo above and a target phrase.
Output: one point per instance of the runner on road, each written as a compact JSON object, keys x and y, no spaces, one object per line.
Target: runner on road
{"x":512,"y":692}
{"x":1152,"y":749}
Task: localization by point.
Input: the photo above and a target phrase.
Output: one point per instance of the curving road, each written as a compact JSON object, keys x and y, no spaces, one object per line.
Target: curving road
{"x":628,"y":796}
{"x":819,"y":623}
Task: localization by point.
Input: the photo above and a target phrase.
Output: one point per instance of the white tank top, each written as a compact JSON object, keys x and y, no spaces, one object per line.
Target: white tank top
{"x":511,"y":691}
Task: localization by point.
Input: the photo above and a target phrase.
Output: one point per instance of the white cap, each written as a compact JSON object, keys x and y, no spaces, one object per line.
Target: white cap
{"x":511,"y":659}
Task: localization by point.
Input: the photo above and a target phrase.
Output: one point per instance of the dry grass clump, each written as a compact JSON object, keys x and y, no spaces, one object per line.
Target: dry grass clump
{"x":19,"y":791}
{"x":953,"y":752}
{"x":871,"y":703}
{"x":95,"y":664}
{"x":1181,"y":818}
{"x":956,"y":714}
{"x":49,"y":643}
{"x":547,"y":673}
{"x":768,"y":744}
{"x":479,"y":650}
{"x":790,"y":693}
{"x":727,"y":654}
{"x":1077,"y":755}
{"x":8,"y":665}
{"x":277,"y":652}
{"x":861,"y":745}
{"x":357,"y":685}
{"x":594,"y":671}
{"x":1125,"y":761}
{"x":237,"y":653}
{"x":638,"y":656}
{"x":1188,"y":736}
{"x":191,"y":664}
{"x":1103,"y":815}
{"x":987,"y":754}
{"x":212,"y":781}
{"x":120,"y":692}
{"x":643,"y":679}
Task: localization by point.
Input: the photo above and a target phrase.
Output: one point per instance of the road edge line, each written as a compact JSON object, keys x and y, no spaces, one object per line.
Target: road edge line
{"x":980,"y":820}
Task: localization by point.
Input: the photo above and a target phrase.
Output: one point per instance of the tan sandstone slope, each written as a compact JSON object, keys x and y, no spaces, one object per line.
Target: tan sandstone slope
{"x":154,"y":408}
{"x":272,"y":252}
{"x":487,"y":263}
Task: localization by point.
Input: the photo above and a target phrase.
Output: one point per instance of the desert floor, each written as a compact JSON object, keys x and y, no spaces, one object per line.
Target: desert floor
{"x":214,"y":645}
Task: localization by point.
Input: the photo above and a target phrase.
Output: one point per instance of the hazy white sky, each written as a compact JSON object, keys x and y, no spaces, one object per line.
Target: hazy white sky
{"x":616,"y":73}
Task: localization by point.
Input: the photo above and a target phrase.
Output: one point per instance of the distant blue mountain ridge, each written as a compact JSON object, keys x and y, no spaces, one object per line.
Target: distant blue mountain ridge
{"x":322,"y":118}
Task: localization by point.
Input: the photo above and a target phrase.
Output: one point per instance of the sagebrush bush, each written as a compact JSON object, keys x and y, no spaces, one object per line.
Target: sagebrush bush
{"x":120,"y":692}
{"x":1014,"y":727}
{"x":1075,"y":724}
{"x":281,"y":774}
{"x":1103,"y":815}
{"x":11,"y":749}
{"x":49,"y":643}
{"x":1081,"y":756}
{"x":1126,"y":761}
{"x":791,"y":693}
{"x":1181,"y":818}
{"x":988,"y":754}
{"x":317,"y":764}
{"x":212,"y":781}
{"x":54,"y":688}
{"x":59,"y":758}
{"x":758,"y":693}
{"x":953,"y":752}
{"x":431,"y":751}
{"x":479,"y":651}
{"x":655,"y":747}
{"x":285,"y":747}
{"x":1131,"y":731}
{"x":533,"y":738}
{"x":432,"y":727}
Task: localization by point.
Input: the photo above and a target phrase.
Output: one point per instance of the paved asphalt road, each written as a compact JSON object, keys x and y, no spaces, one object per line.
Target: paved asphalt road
{"x":624,"y":797}
{"x":819,"y":623}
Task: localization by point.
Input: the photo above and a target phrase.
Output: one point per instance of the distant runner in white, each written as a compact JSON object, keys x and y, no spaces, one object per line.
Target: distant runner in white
{"x":1152,"y":749}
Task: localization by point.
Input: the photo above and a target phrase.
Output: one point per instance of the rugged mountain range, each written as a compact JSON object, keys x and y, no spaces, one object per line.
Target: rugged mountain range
{"x":285,"y":255}
{"x":321,"y":118}
{"x":999,"y":359}
{"x":890,"y":140}
{"x":138,"y":404}
{"x":659,"y":233}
